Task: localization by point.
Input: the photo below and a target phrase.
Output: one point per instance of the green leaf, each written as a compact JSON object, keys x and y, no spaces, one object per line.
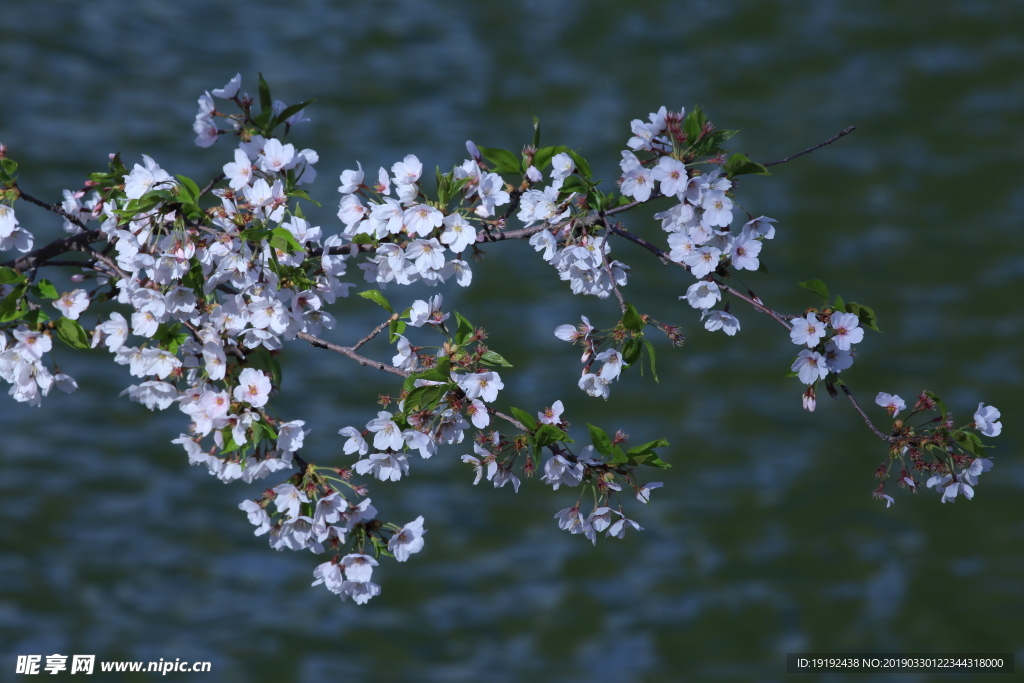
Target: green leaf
{"x":865,"y":315}
{"x":464,"y":331}
{"x":266,"y":102}
{"x":425,"y":397}
{"x":302,"y":194}
{"x":643,"y":448}
{"x":631,"y":319}
{"x":292,"y":110}
{"x":188,"y":185}
{"x":10,"y":166}
{"x":816,"y":286}
{"x":693,"y":124}
{"x":650,"y":357}
{"x":504,"y":161}
{"x":549,"y":434}
{"x":739,"y":164}
{"x":283,"y":240}
{"x":72,"y":333}
{"x":581,"y":164}
{"x":650,"y":459}
{"x":602,"y":443}
{"x":631,"y":350}
{"x":45,"y":289}
{"x":494,"y":358}
{"x":396,"y":328}
{"x":194,"y":279}
{"x":938,"y":402}
{"x":10,"y":307}
{"x":544,"y":155}
{"x":229,"y":442}
{"x":36,"y":317}
{"x":573,"y":183}
{"x":528,"y":421}
{"x":378,"y":298}
{"x":839,"y":305}
{"x":9,"y":276}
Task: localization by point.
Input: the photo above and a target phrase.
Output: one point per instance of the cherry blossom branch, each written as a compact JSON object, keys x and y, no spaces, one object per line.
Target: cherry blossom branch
{"x":756,"y":303}
{"x":39,"y":256}
{"x":377,"y":330}
{"x":608,"y":267}
{"x":871,"y":425}
{"x":55,"y":208}
{"x":508,"y":418}
{"x":844,"y":131}
{"x":347,"y":351}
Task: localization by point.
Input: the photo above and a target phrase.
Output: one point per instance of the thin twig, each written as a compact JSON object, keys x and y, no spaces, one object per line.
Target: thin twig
{"x":346,"y":351}
{"x":844,"y":131}
{"x":508,"y":418}
{"x":377,"y":330}
{"x":55,"y":208}
{"x":608,"y":267}
{"x":877,"y":432}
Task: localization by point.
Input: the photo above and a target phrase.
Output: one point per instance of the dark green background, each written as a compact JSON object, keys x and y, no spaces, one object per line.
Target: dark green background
{"x":765,"y":539}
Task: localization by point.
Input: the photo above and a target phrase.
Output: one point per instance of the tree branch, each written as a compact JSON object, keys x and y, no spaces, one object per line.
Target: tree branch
{"x":347,"y":351}
{"x":844,"y":131}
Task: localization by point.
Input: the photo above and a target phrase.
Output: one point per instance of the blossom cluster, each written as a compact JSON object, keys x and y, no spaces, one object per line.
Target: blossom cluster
{"x":213,"y":282}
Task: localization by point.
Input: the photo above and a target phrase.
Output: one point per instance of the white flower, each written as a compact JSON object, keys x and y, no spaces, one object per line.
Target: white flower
{"x":351,"y":180}
{"x":986,"y":419}
{"x":388,"y":434}
{"x":483,"y":385}
{"x":703,"y":295}
{"x":407,"y":541}
{"x":810,"y":366}
{"x":891,"y":402}
{"x":618,"y":528}
{"x":744,"y":253}
{"x":720,"y":320}
{"x":552,"y":415}
{"x":277,"y":157}
{"x":558,"y":471}
{"x":422,"y":313}
{"x":594,"y":385}
{"x":837,"y":359}
{"x":612,"y":360}
{"x":458,"y":234}
{"x":253,"y":387}
{"x":289,"y":500}
{"x":72,"y":303}
{"x":702,"y":260}
{"x":848,"y":330}
{"x":356,"y":443}
{"x":384,"y":466}
{"x":671,"y":173}
{"x":407,"y":171}
{"x":643,"y":494}
{"x":229,"y":90}
{"x":290,"y":436}
{"x":807,"y":330}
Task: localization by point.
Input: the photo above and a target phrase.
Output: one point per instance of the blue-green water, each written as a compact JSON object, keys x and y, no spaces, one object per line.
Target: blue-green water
{"x":765,"y":539}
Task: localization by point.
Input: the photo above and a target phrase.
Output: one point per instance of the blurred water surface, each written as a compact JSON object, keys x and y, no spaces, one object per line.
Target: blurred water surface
{"x":765,"y":539}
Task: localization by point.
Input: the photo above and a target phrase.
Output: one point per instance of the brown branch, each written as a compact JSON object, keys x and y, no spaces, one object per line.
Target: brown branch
{"x":377,"y":330}
{"x":608,"y":267}
{"x":877,"y":432}
{"x":508,"y":418}
{"x":346,"y":351}
{"x":55,"y":208}
{"x":844,"y":131}
{"x":37,"y":257}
